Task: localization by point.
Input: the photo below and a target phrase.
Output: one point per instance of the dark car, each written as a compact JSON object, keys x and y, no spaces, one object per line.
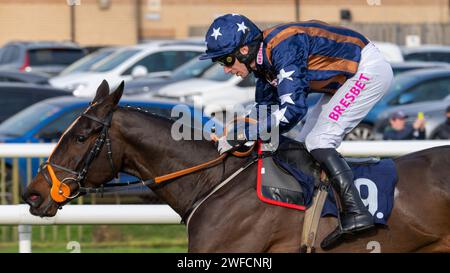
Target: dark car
{"x":24,"y":77}
{"x":46,"y":57}
{"x":16,"y":96}
{"x":411,"y":87}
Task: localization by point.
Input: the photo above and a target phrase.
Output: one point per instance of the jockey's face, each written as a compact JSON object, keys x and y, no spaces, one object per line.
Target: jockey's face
{"x":238,"y":68}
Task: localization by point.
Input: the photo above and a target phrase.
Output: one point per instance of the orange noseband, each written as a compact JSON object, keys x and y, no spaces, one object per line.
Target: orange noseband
{"x":59,"y":191}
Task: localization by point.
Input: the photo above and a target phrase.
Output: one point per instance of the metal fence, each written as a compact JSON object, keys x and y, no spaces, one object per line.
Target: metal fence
{"x":16,"y":172}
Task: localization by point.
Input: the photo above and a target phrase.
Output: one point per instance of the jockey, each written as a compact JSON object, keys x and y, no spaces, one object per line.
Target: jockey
{"x":289,"y":62}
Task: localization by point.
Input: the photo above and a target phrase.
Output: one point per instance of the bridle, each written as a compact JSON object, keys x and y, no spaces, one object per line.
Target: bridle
{"x":60,"y":190}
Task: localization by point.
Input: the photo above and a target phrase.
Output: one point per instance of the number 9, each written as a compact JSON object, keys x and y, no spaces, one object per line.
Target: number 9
{"x":372,"y":194}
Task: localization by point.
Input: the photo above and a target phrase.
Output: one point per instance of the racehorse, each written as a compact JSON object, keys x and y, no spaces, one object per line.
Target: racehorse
{"x":232,"y":219}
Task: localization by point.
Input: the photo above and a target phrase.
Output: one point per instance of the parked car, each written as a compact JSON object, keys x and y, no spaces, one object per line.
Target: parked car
{"x":93,"y":48}
{"x":401,"y":67}
{"x":215,"y":90}
{"x":156,"y":58}
{"x":44,"y":122}
{"x":87,"y":62}
{"x":411,"y":87}
{"x":148,"y":86}
{"x":46,"y":57}
{"x":434,"y":113}
{"x":16,"y":96}
{"x":427,"y":53}
{"x":24,"y":77}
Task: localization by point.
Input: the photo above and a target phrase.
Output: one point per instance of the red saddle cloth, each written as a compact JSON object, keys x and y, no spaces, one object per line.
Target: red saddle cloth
{"x":277,"y":187}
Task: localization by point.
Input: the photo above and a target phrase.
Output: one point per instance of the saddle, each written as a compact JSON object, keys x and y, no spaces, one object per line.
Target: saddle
{"x":290,"y":177}
{"x":286,"y":177}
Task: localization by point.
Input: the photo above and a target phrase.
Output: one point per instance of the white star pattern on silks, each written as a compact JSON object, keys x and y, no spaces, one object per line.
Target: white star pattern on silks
{"x":284,"y":75}
{"x":235,"y":14}
{"x":279,"y":116}
{"x":242,"y":27}
{"x":216,"y":33}
{"x":286,"y":99}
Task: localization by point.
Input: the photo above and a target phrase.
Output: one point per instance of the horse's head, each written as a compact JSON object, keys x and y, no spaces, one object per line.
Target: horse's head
{"x":85,"y":145}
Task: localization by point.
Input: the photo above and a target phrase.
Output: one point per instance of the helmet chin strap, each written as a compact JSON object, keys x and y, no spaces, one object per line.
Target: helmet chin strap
{"x":248,"y":58}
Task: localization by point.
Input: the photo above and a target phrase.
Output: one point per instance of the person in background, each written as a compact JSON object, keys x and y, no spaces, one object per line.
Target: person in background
{"x":400,"y":130}
{"x":443,"y":131}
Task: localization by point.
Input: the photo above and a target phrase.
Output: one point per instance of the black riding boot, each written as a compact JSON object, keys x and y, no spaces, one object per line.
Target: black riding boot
{"x":354,"y":217}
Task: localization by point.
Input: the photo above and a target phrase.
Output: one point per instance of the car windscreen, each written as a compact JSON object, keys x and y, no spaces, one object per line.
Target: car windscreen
{"x":192,"y":69}
{"x":27,"y":119}
{"x":87,"y":62}
{"x":400,"y":82}
{"x":216,"y":73}
{"x":114,"y":60}
{"x":53,"y":56}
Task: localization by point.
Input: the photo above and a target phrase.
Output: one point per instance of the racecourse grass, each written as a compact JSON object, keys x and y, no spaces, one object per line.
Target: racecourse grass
{"x":101,"y":239}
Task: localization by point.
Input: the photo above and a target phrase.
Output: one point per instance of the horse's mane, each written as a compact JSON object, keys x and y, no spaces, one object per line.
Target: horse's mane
{"x":148,"y":112}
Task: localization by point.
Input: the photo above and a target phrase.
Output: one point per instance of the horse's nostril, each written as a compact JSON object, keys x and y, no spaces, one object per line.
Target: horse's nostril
{"x":33,"y":197}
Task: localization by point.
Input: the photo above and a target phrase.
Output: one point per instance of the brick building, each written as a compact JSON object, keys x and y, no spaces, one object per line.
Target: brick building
{"x":98,"y":22}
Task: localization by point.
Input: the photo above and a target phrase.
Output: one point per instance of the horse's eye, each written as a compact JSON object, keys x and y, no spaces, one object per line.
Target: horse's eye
{"x":81,"y":139}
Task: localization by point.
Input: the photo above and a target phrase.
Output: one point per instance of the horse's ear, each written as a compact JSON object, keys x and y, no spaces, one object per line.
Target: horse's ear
{"x":102,"y":92}
{"x":117,"y":94}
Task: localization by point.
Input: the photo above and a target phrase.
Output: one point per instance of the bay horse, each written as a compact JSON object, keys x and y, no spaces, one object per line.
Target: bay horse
{"x":232,"y":219}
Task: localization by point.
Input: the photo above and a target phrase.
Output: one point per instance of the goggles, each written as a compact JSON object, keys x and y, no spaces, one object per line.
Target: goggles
{"x":227,"y":60}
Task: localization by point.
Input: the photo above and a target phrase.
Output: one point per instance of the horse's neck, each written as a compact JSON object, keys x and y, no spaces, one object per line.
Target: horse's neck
{"x":150,"y":151}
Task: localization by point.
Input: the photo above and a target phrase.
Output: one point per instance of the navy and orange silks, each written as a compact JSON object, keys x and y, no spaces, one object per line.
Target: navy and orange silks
{"x":298,"y":58}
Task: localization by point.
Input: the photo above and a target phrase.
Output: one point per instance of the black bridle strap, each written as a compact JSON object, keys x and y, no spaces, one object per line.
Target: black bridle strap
{"x":106,"y":123}
{"x":98,"y":145}
{"x":59,"y":167}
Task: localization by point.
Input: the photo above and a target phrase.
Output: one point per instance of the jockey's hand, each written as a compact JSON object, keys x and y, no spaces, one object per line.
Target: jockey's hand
{"x":225,"y":145}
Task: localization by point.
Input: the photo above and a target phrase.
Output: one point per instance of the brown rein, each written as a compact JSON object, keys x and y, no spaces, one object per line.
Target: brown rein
{"x":190,"y":170}
{"x":210,"y":163}
{"x":202,"y":166}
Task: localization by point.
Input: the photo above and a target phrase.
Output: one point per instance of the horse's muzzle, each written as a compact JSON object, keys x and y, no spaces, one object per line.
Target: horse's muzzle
{"x":33,"y":199}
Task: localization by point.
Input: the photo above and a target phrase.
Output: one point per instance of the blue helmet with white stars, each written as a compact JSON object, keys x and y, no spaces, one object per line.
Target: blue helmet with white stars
{"x":227,"y":34}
